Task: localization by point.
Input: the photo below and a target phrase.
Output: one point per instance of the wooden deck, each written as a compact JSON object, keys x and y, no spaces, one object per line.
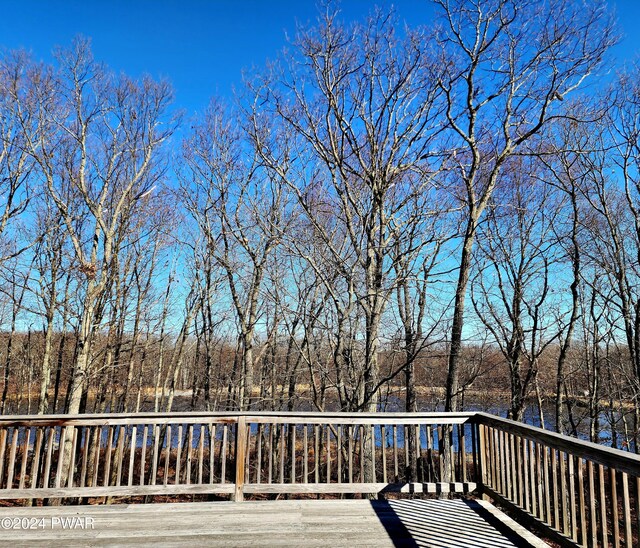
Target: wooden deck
{"x":578,"y":493}
{"x":326,"y":523}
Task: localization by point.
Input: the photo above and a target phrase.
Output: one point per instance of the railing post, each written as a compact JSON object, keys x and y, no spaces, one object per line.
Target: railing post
{"x":240,"y":457}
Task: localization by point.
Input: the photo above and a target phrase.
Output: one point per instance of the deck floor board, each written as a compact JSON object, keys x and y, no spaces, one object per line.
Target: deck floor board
{"x":334,"y":523}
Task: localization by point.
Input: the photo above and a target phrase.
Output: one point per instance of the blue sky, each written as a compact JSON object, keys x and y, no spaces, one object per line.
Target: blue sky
{"x":200,"y":46}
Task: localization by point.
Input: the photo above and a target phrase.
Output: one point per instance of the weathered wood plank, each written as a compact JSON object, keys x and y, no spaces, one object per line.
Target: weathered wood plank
{"x":626,"y":510}
{"x":593,"y":517}
{"x":603,"y":506}
{"x":341,"y":523}
{"x":115,"y":491}
{"x":333,"y":488}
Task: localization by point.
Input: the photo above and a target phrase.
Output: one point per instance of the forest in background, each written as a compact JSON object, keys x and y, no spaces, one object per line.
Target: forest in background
{"x":385,"y":217}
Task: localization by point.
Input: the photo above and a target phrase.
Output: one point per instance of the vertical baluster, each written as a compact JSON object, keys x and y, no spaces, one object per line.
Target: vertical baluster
{"x":603,"y":506}
{"x":178,"y":455}
{"x":72,"y":464}
{"x":572,"y":496}
{"x":361,"y":431}
{"x":132,"y":454}
{"x":474,"y":452}
{"x":212,"y":452}
{"x":626,"y":508}
{"x":482,"y":453}
{"x":270,"y":476}
{"x":305,"y":450}
{"x":547,"y":497}
{"x":532,"y":477}
{"x":566,"y":525}
{"x":97,"y":442}
{"x":35,"y":463}
{"x":350,"y":454}
{"x":316,"y":453}
{"x":539,"y":490}
{"x":418,"y":449}
{"x":293,"y":452}
{"x":12,"y":458}
{"x":430,"y":453}
{"x":500,"y":461}
{"x":85,"y":456}
{"x":498,"y":453}
{"x":202,"y":432}
{"x":554,"y":480}
{"x":614,"y":508}
{"x":520,"y":471}
{"x":122,"y":430}
{"x":422,"y":469}
{"x":189,"y":453}
{"x":593,"y":518}
{"x":488,"y":456}
{"x":515,"y":480}
{"x":4,"y":432}
{"x":383,"y":443}
{"x":25,"y":457}
{"x":61,"y":443}
{"x":504,"y":463}
{"x":328,"y":454}
{"x":395,"y":454}
{"x":339,"y":449}
{"x":449,"y":431}
{"x":107,"y":459}
{"x":462,"y":450}
{"x":508,"y":464}
{"x":259,"y":454}
{"x":143,"y":454}
{"x":46,"y":480}
{"x":247,"y":452}
{"x":495,"y":458}
{"x":222,"y":455}
{"x":405,"y":432}
{"x":438,"y":435}
{"x":525,"y":476}
{"x":581,"y":503}
{"x":282,"y":452}
{"x":154,"y":455}
{"x":167,"y":454}
{"x":372,"y":441}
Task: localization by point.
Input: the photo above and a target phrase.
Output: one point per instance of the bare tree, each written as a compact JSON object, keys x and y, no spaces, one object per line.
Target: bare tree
{"x":239,"y":208}
{"x":356,"y":108}
{"x":512,"y":291}
{"x":18,"y":123}
{"x":98,"y":157}
{"x":501,"y":89}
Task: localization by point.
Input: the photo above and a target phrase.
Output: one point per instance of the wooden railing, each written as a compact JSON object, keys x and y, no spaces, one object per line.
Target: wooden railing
{"x":232,"y":453}
{"x":581,"y":493}
{"x":577,"y":492}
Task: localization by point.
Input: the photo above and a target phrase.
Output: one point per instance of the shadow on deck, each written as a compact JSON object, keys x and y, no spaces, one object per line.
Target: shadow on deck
{"x":332,"y":523}
{"x":446,"y":523}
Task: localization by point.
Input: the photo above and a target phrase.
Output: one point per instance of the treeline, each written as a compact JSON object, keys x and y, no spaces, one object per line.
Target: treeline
{"x":381,"y":211}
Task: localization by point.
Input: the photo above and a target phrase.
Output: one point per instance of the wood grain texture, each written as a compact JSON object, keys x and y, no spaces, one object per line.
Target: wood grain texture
{"x":337,"y":523}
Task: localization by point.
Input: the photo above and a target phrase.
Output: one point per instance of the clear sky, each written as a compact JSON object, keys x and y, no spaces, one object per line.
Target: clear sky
{"x":201,"y":46}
